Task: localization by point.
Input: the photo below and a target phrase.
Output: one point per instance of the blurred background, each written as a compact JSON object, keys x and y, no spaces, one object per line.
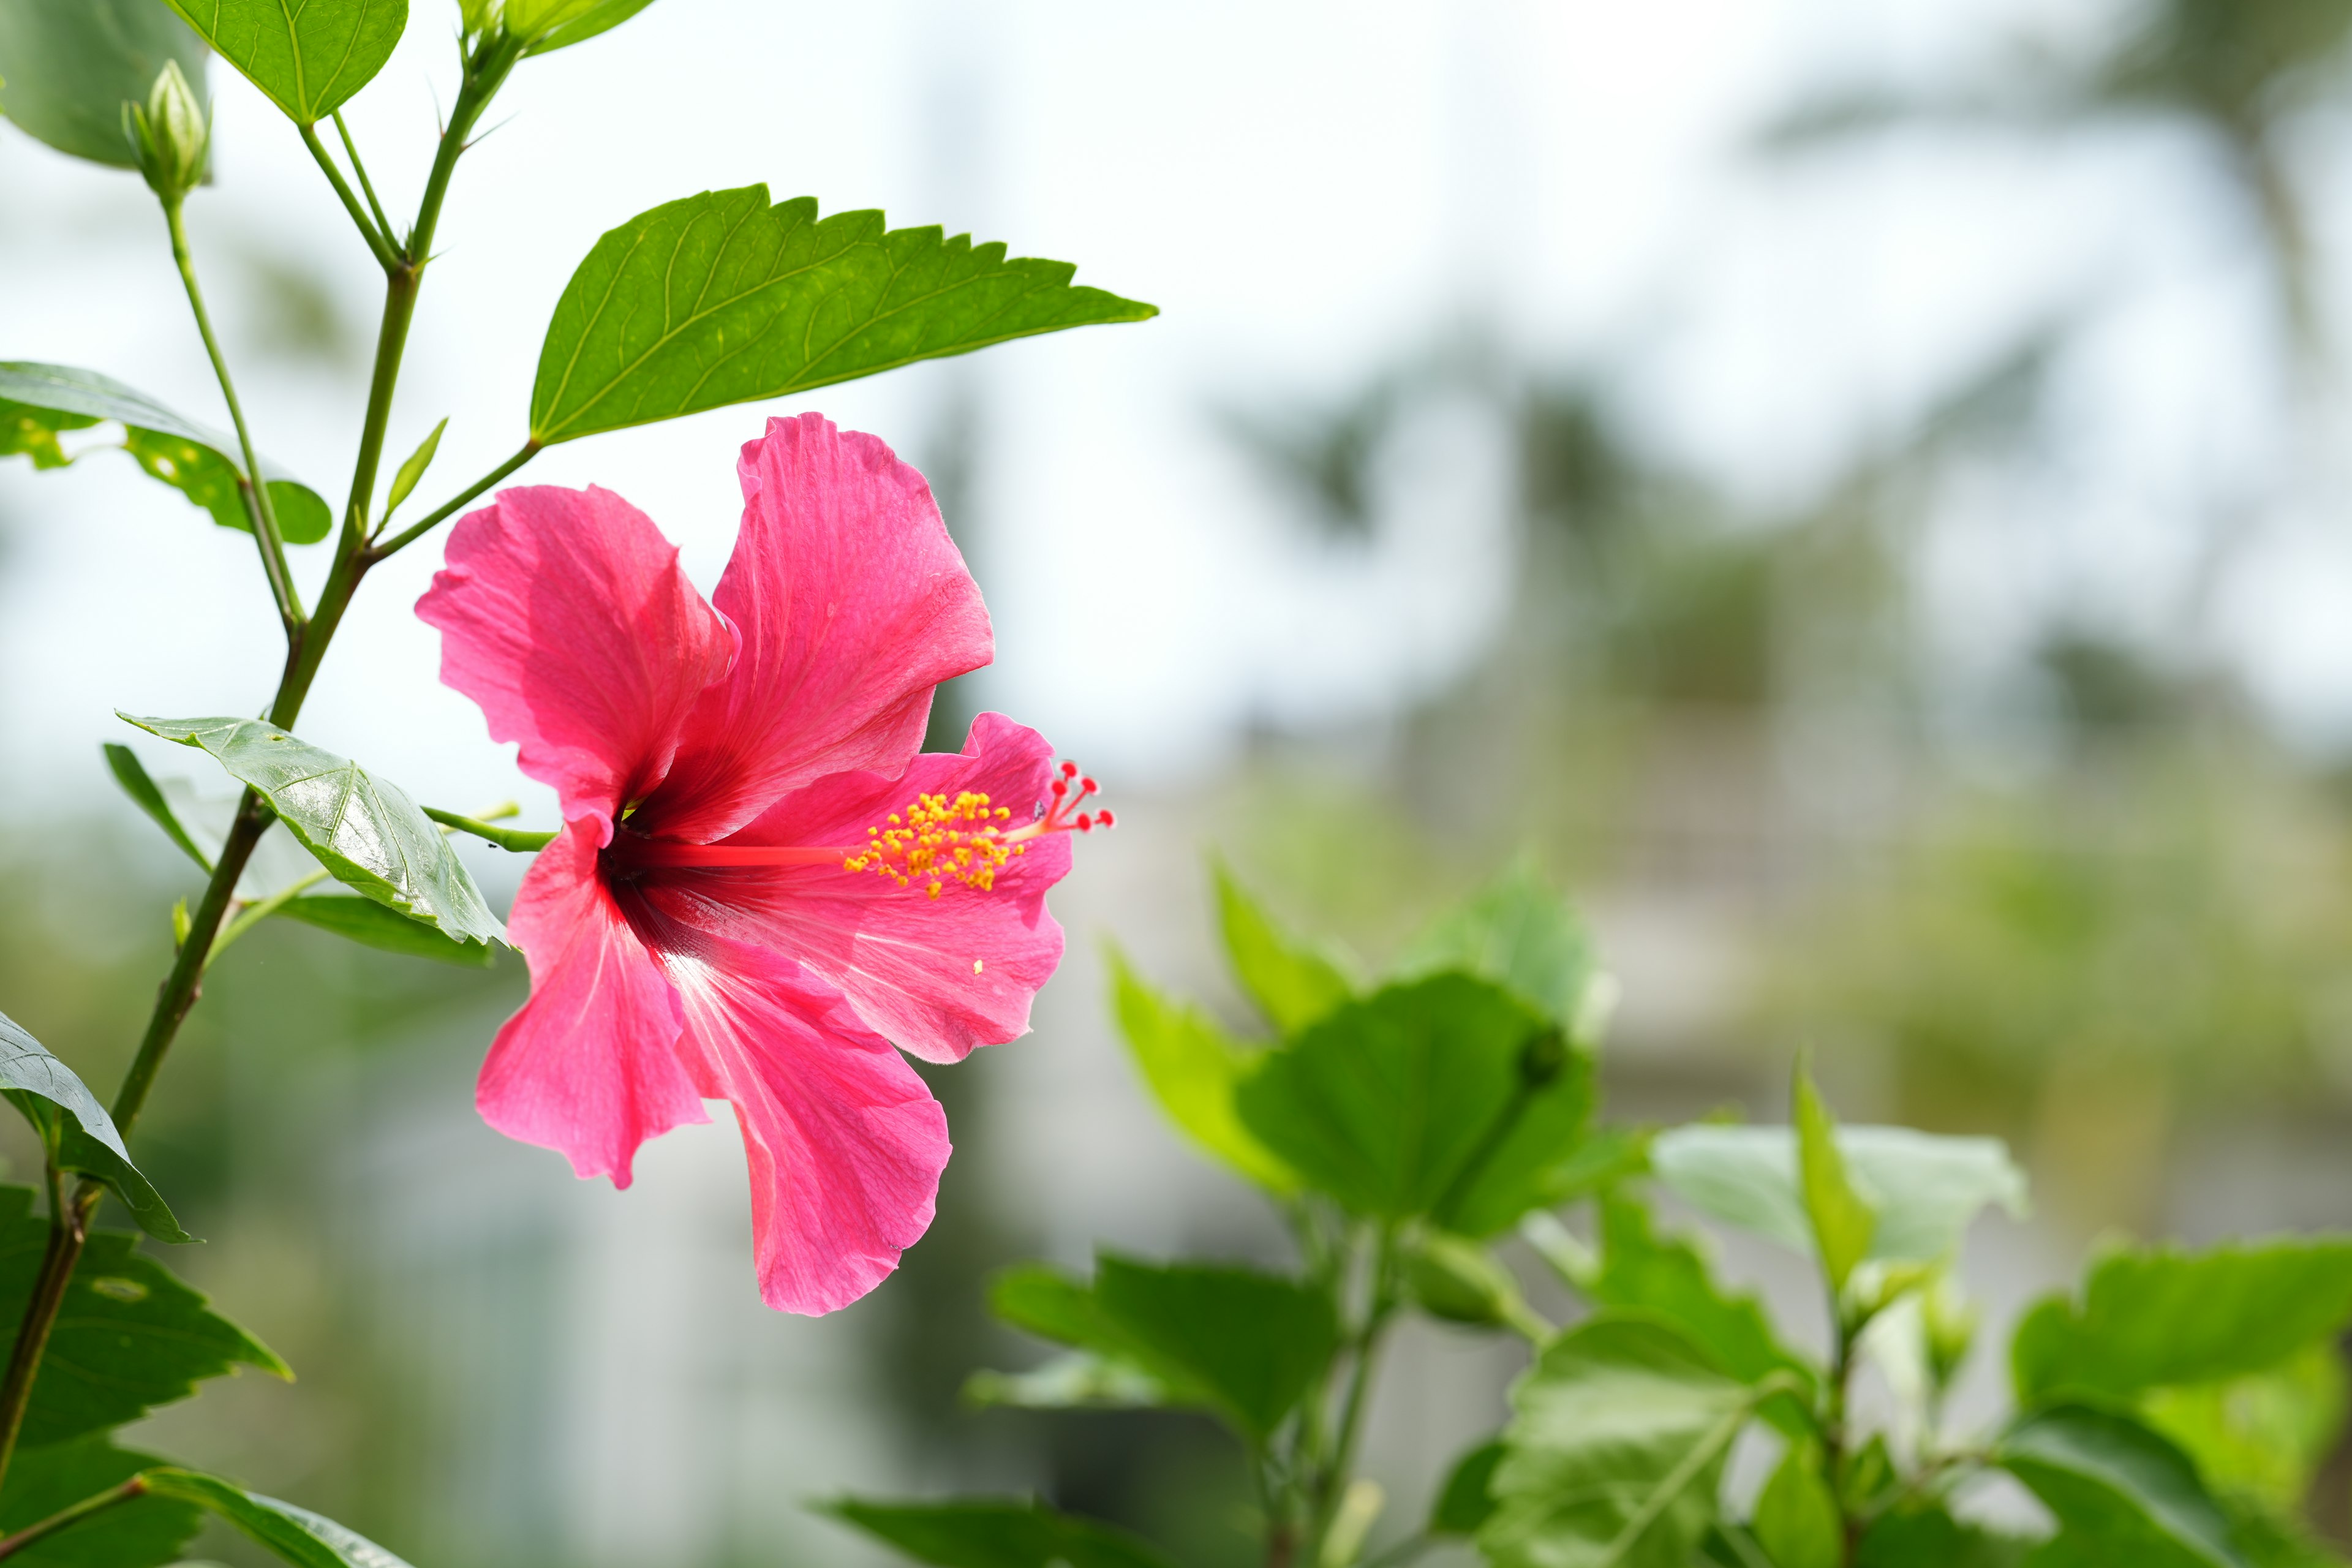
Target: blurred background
{"x":1854,"y":490}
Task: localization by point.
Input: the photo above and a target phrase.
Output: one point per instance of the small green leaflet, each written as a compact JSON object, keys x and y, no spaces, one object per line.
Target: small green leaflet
{"x":2122,"y":1492}
{"x":720,"y":298}
{"x":992,"y":1533}
{"x":413,"y":469}
{"x":42,"y":1087}
{"x":1292,"y":983}
{"x":131,"y":1337}
{"x":68,"y":67}
{"x":307,"y":59}
{"x":37,"y":400}
{"x":142,"y":1532}
{"x":297,"y":1535}
{"x":364,"y":829}
{"x":148,"y":796}
{"x":1842,"y":1220}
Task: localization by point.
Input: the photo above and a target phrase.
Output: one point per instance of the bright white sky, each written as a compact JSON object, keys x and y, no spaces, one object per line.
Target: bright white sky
{"x":1309,"y":191}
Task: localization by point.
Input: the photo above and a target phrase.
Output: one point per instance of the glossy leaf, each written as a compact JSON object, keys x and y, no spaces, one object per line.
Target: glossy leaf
{"x":307,"y":59}
{"x":1923,"y":1188}
{"x":139,"y":1533}
{"x":1291,"y":981}
{"x":1193,"y":1069}
{"x":296,"y":1534}
{"x":1245,"y":1344}
{"x":75,"y":1129}
{"x":38,"y":400}
{"x":413,"y":469}
{"x":68,"y":67}
{"x":2121,"y":1492}
{"x":369,"y":924}
{"x":1841,"y":1220}
{"x":1668,"y":1277}
{"x":2158,"y":1316}
{"x":1796,"y":1520}
{"x":364,"y":829}
{"x":132,"y":775}
{"x":720,"y":298}
{"x":1467,"y":1501}
{"x":1516,"y":932}
{"x":991,"y":1532}
{"x":1615,"y":1451}
{"x":1415,"y":1102}
{"x":131,"y":1337}
{"x":551,"y":24}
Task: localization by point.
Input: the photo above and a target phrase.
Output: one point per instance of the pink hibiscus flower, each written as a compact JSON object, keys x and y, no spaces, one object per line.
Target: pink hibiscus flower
{"x":760,"y":886}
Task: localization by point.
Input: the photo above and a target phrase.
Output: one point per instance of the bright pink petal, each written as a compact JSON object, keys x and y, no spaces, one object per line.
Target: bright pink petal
{"x":936,"y":976}
{"x":590,"y":1064}
{"x":845,"y":1143}
{"x":853,"y":604}
{"x":564,"y":615}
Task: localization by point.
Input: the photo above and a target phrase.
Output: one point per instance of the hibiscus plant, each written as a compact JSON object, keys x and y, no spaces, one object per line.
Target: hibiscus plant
{"x":761,"y":891}
{"x":1422,"y":1134}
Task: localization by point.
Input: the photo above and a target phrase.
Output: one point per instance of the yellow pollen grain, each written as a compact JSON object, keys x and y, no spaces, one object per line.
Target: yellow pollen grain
{"x":937,"y":841}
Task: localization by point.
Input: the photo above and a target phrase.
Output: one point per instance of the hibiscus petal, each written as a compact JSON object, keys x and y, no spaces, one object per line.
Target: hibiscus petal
{"x":853,"y":604}
{"x":845,"y":1143}
{"x":936,"y":976}
{"x":563,"y":613}
{"x":590,"y":1064}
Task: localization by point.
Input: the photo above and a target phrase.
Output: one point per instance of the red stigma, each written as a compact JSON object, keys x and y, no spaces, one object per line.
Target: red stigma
{"x":1069,"y":770}
{"x":1103,"y":817}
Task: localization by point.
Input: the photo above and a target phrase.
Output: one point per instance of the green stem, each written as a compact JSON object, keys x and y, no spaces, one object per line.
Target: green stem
{"x":514,"y":838}
{"x":68,"y":1227}
{"x":379,"y":241}
{"x":1331,"y":1483}
{"x":382,"y":221}
{"x":259,"y":507}
{"x":410,"y":534}
{"x":135,"y":1487}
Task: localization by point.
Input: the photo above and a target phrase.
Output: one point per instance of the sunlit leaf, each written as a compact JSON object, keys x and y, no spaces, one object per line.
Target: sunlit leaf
{"x":1193,"y":1069}
{"x":76,"y":1128}
{"x":2121,"y":1492}
{"x":68,"y":67}
{"x":991,"y":1532}
{"x":720,"y":298}
{"x":38,"y":400}
{"x":296,"y":1534}
{"x":139,"y":1533}
{"x":130,"y":1337}
{"x":364,"y":829}
{"x":551,"y":25}
{"x":307,"y":59}
{"x":1293,"y":983}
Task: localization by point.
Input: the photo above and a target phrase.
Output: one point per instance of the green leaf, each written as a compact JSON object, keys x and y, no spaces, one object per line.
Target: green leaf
{"x":2158,"y":1316}
{"x":38,"y":400}
{"x":132,"y":775}
{"x":1081,"y":1380}
{"x":297,"y":1535}
{"x":1923,"y":1187}
{"x":1669,"y":1277}
{"x":1797,"y":1520}
{"x":2121,"y":1492}
{"x":2264,"y":1434}
{"x":1841,"y":1220}
{"x":1193,"y":1069}
{"x":369,"y":924}
{"x":720,"y":298}
{"x":1930,"y":1537}
{"x":307,"y":59}
{"x":75,"y":1129}
{"x":1245,"y":1344}
{"x":989,"y":1533}
{"x":1467,"y":1501}
{"x":551,"y":25}
{"x":130,"y":1337}
{"x":413,"y":469}
{"x":1615,"y":1452}
{"x":1419,"y":1102}
{"x":68,"y":67}
{"x":139,"y":1533}
{"x":1292,"y":983}
{"x":364,"y":829}
{"x":1517,"y":933}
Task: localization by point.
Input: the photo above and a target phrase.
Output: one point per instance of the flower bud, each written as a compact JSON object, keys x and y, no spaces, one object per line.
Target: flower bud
{"x":1543,"y":1058}
{"x":1948,"y":1322}
{"x":173,"y":134}
{"x":1460,"y":1282}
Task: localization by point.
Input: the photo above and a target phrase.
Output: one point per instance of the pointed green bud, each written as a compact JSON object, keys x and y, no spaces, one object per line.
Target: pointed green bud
{"x":1459,"y":1281}
{"x":172,"y":134}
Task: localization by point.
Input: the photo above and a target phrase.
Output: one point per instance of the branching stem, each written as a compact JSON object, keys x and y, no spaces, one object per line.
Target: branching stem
{"x":135,"y":1487}
{"x":379,"y":240}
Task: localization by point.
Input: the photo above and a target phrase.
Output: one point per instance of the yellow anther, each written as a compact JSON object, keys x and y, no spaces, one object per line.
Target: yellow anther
{"x":938,"y":840}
